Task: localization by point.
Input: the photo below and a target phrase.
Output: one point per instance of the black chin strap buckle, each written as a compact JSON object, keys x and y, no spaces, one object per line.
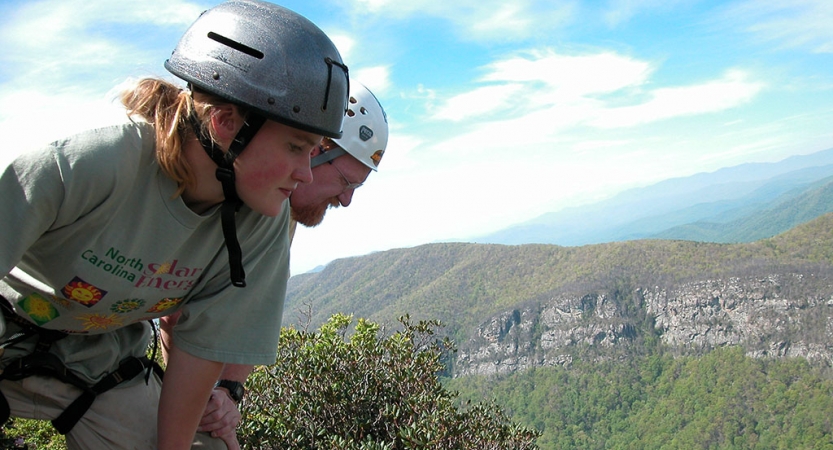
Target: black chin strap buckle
{"x":226,"y":177}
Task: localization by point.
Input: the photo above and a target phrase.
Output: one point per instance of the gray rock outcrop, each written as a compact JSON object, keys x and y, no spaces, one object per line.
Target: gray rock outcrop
{"x":786,"y":315}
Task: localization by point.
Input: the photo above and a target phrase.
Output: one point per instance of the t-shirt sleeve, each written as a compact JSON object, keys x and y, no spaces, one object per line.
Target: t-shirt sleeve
{"x":32,"y":194}
{"x":54,"y":185}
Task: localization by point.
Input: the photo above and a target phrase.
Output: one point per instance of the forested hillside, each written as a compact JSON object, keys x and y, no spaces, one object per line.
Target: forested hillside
{"x":650,"y":344}
{"x":465,"y":284}
{"x":722,"y":400}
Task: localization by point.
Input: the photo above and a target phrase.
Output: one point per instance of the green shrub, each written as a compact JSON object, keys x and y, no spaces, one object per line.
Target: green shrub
{"x":364,"y":391}
{"x":20,"y":433}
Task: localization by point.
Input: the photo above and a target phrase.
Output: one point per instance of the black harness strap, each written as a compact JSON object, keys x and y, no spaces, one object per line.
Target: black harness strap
{"x":128,"y":369}
{"x":48,"y":365}
{"x":43,"y":363}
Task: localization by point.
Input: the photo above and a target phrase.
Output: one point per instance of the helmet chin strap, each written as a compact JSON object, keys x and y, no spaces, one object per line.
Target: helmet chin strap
{"x":327,"y":156}
{"x":225,"y":174}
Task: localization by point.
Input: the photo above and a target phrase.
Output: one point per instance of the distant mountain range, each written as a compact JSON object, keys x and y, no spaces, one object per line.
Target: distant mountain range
{"x":705,"y":261}
{"x":740,"y":260}
{"x":513,"y":307}
{"x":736,"y":204}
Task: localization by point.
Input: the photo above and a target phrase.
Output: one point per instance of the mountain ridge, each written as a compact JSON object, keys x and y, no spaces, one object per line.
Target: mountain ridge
{"x":652,"y":210}
{"x":475,"y":288}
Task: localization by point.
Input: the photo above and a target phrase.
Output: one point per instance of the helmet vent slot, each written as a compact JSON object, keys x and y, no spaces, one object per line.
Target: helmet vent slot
{"x":235,"y":45}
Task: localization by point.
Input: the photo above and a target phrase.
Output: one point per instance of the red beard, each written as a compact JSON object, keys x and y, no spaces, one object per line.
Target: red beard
{"x":311,"y":216}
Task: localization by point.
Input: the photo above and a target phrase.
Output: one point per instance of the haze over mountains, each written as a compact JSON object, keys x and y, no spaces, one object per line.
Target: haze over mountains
{"x":723,"y":233}
{"x":735,"y":204}
{"x":516,"y":307}
{"x":616,"y":338}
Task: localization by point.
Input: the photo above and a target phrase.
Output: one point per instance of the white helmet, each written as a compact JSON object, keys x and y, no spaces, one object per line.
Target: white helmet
{"x":365,"y":129}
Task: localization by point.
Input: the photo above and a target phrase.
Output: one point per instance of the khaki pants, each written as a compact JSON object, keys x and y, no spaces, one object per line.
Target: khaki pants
{"x":123,"y":418}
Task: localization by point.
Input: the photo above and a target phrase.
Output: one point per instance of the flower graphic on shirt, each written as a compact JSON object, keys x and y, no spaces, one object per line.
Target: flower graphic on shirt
{"x":165,"y":304}
{"x":99,"y":321}
{"x":38,"y":308}
{"x":127,"y":305}
{"x":83,"y":292}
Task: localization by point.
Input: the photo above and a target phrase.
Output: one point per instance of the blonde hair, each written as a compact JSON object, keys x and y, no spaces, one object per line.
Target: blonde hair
{"x":168,"y":108}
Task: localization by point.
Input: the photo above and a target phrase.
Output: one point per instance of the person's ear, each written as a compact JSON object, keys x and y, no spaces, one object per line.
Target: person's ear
{"x":226,"y":122}
{"x":315,"y":151}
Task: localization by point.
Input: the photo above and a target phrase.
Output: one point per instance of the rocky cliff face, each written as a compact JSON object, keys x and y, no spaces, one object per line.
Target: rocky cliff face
{"x":784,"y":315}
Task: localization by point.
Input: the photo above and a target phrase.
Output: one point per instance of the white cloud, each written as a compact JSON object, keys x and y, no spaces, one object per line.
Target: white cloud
{"x":520,"y":86}
{"x":344,"y":43}
{"x":794,"y":24}
{"x":377,"y":79}
{"x":479,"y":19}
{"x":67,"y":45}
{"x":487,"y":100}
{"x":619,"y":11}
{"x":398,"y":155}
{"x":56,"y":26}
{"x":49,"y":116}
{"x":731,"y":90}
{"x":548,"y":92}
{"x":62,"y":62}
{"x":77,"y":14}
{"x":573,"y":75}
{"x":507,"y":18}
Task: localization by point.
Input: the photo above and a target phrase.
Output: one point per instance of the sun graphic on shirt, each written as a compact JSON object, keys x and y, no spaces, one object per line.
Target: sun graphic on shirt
{"x":83,"y":292}
{"x":99,"y":321}
{"x":38,"y":308}
{"x":165,"y":304}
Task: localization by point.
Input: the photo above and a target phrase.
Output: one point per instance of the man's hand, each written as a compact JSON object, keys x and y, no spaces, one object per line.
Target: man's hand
{"x":221,"y":418}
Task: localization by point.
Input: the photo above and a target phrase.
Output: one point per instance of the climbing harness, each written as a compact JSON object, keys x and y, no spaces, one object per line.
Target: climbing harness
{"x":43,"y":363}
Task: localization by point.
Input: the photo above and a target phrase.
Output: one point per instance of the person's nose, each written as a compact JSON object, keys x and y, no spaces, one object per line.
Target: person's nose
{"x":303,"y":173}
{"x":346,"y":197}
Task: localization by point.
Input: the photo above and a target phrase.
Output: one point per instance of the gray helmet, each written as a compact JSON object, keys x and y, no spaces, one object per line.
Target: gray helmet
{"x":269,"y":59}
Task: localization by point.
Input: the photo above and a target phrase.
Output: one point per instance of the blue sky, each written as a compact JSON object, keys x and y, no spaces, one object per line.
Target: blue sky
{"x":499,"y":111}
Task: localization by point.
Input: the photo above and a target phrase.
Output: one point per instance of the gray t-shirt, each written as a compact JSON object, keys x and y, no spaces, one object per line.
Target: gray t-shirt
{"x":94,"y":243}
